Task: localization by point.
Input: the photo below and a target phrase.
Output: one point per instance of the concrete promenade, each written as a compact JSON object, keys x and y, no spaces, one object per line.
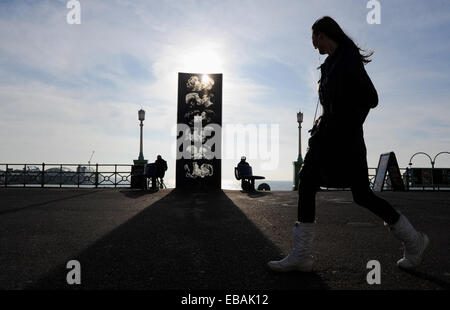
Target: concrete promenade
{"x":127,"y":239}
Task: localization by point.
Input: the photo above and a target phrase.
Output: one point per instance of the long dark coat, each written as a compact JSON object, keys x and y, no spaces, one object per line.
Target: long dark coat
{"x":161,"y":167}
{"x":337,"y":153}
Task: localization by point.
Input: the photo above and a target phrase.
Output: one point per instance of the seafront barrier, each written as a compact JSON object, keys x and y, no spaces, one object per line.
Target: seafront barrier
{"x":119,"y":175}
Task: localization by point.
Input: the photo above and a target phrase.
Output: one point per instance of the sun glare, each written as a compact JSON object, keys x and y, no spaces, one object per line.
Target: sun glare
{"x":202,"y":60}
{"x":205,"y":79}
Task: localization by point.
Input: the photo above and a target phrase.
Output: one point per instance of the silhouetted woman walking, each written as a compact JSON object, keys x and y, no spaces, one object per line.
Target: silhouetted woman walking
{"x":336,"y":156}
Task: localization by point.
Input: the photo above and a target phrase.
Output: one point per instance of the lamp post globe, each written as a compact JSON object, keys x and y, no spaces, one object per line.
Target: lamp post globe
{"x":141,"y":115}
{"x":300,"y":117}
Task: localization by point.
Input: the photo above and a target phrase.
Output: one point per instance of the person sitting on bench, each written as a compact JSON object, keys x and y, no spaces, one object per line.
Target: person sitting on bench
{"x":161,"y":167}
{"x":240,"y":167}
{"x":243,"y":172}
{"x":243,"y":162}
{"x":150,"y":172}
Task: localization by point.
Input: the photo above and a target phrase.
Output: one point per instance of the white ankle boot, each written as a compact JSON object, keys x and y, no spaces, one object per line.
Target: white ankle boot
{"x":300,"y":258}
{"x":414,"y":242}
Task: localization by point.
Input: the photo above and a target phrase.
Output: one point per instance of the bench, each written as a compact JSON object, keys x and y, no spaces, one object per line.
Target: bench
{"x":245,"y":174}
{"x":150,"y":171}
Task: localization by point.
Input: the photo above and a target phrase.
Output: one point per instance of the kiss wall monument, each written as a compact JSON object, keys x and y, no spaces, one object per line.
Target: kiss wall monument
{"x":199,"y":136}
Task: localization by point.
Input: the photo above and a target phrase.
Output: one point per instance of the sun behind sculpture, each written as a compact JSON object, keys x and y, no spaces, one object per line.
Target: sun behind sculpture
{"x":202,"y":59}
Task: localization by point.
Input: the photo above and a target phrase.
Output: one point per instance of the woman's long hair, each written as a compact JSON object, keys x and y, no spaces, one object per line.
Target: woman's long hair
{"x":332,"y":30}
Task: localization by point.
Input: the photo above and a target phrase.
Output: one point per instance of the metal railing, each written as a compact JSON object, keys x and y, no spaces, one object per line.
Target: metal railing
{"x":438,"y":177}
{"x":65,"y":175}
{"x":372,"y":174}
{"x":119,"y":175}
{"x":408,"y":181}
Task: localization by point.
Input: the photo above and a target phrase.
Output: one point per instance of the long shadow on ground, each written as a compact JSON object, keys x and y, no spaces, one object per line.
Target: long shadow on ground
{"x":182,"y":241}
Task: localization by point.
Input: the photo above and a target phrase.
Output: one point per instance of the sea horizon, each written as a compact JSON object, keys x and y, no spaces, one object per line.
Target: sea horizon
{"x":229,"y":184}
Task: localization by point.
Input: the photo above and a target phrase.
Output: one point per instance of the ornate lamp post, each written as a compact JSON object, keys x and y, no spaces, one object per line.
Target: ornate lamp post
{"x":299,"y":162}
{"x":141,"y":115}
{"x":137,"y":170}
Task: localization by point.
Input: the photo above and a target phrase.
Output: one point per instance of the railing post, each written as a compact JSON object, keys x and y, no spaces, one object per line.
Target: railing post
{"x":60,"y":176}
{"x":96,"y":175}
{"x":432,"y":175}
{"x":115,"y":176}
{"x":407,"y":179}
{"x":43,"y":175}
{"x":24,"y":175}
{"x":6,"y":176}
{"x":78,"y":176}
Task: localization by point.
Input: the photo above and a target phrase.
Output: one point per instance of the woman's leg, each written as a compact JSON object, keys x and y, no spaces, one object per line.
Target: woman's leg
{"x":363,"y":195}
{"x":307,"y":188}
{"x":300,"y":257}
{"x":414,"y":242}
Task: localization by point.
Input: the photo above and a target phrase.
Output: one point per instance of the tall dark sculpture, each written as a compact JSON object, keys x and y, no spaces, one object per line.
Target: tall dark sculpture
{"x":199,"y":122}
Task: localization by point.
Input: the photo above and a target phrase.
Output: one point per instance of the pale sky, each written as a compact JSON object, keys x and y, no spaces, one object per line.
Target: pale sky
{"x":66,"y":90}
